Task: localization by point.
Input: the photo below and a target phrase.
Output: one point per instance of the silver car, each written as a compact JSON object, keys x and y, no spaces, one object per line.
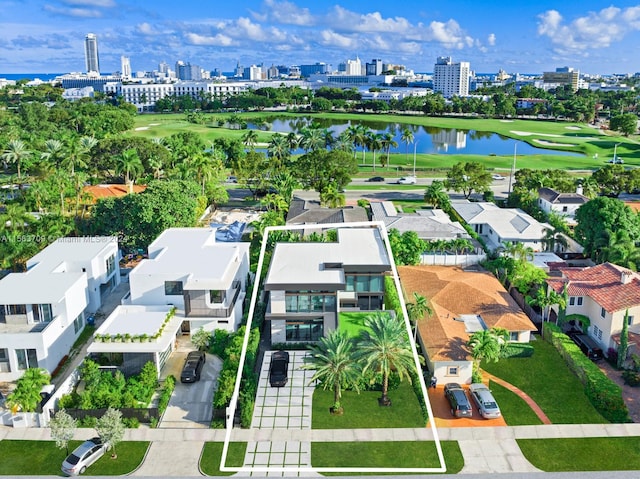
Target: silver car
{"x":83,"y":456}
{"x":483,"y":398}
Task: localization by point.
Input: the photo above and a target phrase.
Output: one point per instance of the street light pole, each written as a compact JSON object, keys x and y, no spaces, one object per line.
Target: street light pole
{"x":615,"y":151}
{"x":513,"y":167}
{"x":415,"y":146}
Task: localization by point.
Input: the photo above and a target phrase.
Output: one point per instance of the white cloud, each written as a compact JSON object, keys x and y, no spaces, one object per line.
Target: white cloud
{"x":73,"y":12}
{"x":146,"y":29}
{"x":449,"y":34}
{"x":593,"y":30}
{"x":215,"y":40}
{"x":333,"y":39}
{"x":286,"y":13}
{"x":491,"y":39}
{"x":252,"y":31}
{"x":347,"y":21}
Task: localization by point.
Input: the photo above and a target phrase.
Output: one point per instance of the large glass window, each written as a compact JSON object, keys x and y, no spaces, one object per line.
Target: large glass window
{"x":173,"y":288}
{"x":306,"y":303}
{"x":5,"y":367}
{"x":216,"y":296}
{"x":350,"y":282}
{"x":27,"y":358}
{"x":362,"y":284}
{"x":309,"y":330}
{"x":111,"y":264}
{"x":16,"y":308}
{"x":78,"y":323}
{"x":291,"y":303}
{"x":42,"y":313}
{"x":376,"y":284}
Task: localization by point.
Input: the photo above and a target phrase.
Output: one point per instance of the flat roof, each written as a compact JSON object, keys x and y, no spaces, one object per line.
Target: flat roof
{"x":306,"y":263}
{"x":194,"y":254}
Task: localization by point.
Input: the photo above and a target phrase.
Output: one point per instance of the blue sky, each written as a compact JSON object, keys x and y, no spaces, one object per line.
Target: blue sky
{"x":517,"y":36}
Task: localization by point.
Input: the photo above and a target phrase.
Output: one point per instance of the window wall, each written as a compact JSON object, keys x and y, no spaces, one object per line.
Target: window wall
{"x":27,"y":358}
{"x":310,"y":302}
{"x":304,"y":330}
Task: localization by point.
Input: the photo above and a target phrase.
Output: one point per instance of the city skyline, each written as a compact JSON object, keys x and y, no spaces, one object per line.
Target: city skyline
{"x":41,"y":36}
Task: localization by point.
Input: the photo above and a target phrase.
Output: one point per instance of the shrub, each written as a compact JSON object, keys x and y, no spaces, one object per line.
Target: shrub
{"x":131,"y":422}
{"x":165,"y":394}
{"x":518,"y":350}
{"x":604,"y":394}
{"x":632,"y":378}
{"x":219,"y":342}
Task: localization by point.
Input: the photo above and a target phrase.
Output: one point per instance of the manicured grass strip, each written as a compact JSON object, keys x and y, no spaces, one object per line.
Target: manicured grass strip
{"x":362,"y":410}
{"x":212,"y":452}
{"x":352,"y":323}
{"x":515,"y":410}
{"x":547,"y":380}
{"x":583,"y":454}
{"x":409,"y":454}
{"x":44,"y":458}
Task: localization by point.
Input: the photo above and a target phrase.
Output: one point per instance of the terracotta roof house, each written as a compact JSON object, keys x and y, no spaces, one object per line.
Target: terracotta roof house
{"x":603,"y":293}
{"x":502,"y":225}
{"x":111,"y":191}
{"x":563,"y":204}
{"x":463,"y":302}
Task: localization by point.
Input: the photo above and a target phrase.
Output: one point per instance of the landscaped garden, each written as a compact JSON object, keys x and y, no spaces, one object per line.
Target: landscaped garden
{"x":212,"y":452}
{"x":44,"y":458}
{"x":404,"y":454}
{"x":546,"y":379}
{"x":582,"y":454}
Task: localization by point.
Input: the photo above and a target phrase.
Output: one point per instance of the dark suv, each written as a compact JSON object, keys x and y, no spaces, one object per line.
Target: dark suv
{"x":192,"y":367}
{"x":588,"y":346}
{"x":460,"y":405}
{"x":279,"y":369}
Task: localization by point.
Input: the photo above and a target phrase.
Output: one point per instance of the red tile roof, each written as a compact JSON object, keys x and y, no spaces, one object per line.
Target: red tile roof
{"x":611,"y":286}
{"x":107,"y":190}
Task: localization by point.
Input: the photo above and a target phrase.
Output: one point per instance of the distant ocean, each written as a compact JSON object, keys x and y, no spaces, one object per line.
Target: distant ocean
{"x":31,"y":76}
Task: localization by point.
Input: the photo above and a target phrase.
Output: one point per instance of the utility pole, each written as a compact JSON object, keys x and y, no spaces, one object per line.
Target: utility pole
{"x":513,"y":167}
{"x":415,"y":146}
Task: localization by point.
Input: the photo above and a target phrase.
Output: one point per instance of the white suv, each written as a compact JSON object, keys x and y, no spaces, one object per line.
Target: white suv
{"x":407,"y":180}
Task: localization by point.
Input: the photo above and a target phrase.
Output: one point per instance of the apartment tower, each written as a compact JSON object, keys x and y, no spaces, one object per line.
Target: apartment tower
{"x":91,"y":53}
{"x":451,"y":79}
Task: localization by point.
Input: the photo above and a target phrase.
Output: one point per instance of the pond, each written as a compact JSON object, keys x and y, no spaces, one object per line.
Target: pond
{"x":427,"y":139}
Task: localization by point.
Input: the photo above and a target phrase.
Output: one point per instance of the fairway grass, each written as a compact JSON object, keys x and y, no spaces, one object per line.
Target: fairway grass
{"x":582,"y":454}
{"x":576,"y":137}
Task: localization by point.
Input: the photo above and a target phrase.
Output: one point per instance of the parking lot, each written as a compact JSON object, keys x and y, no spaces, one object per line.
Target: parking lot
{"x":442,"y":412}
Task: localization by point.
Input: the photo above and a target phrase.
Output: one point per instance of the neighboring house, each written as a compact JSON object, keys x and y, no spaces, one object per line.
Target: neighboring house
{"x":603,"y":293}
{"x":205,"y":278}
{"x":102,"y":191}
{"x":463,"y":302}
{"x":43,"y":310}
{"x":310,"y":212}
{"x":500,"y":226}
{"x":429,"y":225}
{"x":309,"y":283}
{"x":562,"y":204}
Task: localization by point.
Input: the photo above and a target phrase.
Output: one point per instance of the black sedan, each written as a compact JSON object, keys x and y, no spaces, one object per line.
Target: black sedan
{"x":279,"y":369}
{"x":192,"y":367}
{"x":376,"y":179}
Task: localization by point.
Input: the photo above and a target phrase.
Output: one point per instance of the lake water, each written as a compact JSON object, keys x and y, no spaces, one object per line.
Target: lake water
{"x":426,"y":139}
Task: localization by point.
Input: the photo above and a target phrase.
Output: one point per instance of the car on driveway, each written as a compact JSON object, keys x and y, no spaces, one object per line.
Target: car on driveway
{"x":407,"y":180}
{"x":83,"y":456}
{"x":460,"y":405}
{"x":487,"y":406}
{"x":279,"y":369}
{"x":192,"y":367}
{"x":375,"y":179}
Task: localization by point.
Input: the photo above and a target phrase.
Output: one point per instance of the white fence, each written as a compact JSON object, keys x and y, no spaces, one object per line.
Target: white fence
{"x":462,"y":260}
{"x":65,"y":387}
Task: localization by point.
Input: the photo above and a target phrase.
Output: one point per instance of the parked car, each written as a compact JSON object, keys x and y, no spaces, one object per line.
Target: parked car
{"x":483,"y":398}
{"x":588,"y":346}
{"x":407,"y":180}
{"x":192,"y":367}
{"x":497,"y":177}
{"x":232,"y":179}
{"x":279,"y":369}
{"x":376,"y":179}
{"x":83,"y":456}
{"x":460,"y":405}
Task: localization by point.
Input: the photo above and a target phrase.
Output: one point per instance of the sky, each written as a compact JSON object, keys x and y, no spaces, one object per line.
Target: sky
{"x":47,"y":36}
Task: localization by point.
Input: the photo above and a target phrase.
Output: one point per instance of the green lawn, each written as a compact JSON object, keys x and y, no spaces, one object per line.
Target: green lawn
{"x":44,"y":458}
{"x":352,"y":323}
{"x":583,"y":454}
{"x":409,"y":454}
{"x":546,"y":378}
{"x":514,"y":409}
{"x":362,"y":410}
{"x":577,"y":137}
{"x":212,"y":452}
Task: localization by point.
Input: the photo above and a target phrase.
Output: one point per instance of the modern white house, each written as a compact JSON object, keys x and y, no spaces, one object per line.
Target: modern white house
{"x":204,"y":278}
{"x":603,"y":294}
{"x":43,"y":310}
{"x":310,"y":283}
{"x":562,"y":204}
{"x":500,"y":226}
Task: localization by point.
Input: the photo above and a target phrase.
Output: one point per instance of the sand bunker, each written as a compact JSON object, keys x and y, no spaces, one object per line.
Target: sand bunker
{"x":140,"y":128}
{"x":154,"y":124}
{"x":506,"y":121}
{"x":530,"y":133}
{"x":572,"y":127}
{"x":550,"y":143}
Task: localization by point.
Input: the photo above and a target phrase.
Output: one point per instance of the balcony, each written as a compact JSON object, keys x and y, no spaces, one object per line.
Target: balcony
{"x":195,"y":305}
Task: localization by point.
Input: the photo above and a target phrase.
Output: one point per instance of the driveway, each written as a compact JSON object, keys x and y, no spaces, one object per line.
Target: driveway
{"x":442,"y":412}
{"x":191,"y":405}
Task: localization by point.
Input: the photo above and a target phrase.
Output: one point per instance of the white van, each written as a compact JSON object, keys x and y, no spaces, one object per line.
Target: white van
{"x":407,"y":180}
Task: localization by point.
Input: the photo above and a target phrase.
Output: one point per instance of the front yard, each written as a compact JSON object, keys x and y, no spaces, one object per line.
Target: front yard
{"x":546,"y":379}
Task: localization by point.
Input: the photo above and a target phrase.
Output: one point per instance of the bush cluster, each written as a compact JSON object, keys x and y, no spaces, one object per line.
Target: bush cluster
{"x":517,"y":350}
{"x":165,"y":394}
{"x":604,"y":394}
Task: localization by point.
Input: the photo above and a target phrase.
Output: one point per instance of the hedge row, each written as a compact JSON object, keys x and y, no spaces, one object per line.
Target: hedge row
{"x":604,"y":394}
{"x":518,"y":350}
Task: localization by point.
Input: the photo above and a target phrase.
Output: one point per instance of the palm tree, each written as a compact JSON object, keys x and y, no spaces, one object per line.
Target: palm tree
{"x":279,"y":149}
{"x":436,"y":195}
{"x":332,"y":198}
{"x":384,"y":347}
{"x":293,"y":140}
{"x":374,"y":143}
{"x":53,"y":152}
{"x":344,"y":143}
{"x":417,"y":310}
{"x":406,"y":138}
{"x":250,"y":139}
{"x":15,"y":152}
{"x":312,"y":139}
{"x":15,"y":217}
{"x":544,"y":300}
{"x":333,"y":360}
{"x":284,"y":183}
{"x":488,"y":345}
{"x":552,"y":239}
{"x":203,"y":168}
{"x":518,"y":251}
{"x":387,"y":143}
{"x":129,"y":163}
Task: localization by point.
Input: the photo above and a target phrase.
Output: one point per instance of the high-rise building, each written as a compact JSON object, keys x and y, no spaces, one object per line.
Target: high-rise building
{"x":353,"y":67}
{"x":187,"y":71}
{"x":451,"y":79}
{"x":307,"y":70}
{"x":375,"y":67}
{"x":562,"y":76}
{"x":91,"y":53}
{"x":125,"y":67}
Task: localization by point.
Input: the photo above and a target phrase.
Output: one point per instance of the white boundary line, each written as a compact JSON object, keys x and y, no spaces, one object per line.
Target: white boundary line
{"x":236,"y":391}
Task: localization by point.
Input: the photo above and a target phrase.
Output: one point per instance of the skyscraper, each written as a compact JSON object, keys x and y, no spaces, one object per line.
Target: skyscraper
{"x":125,"y":67}
{"x":91,"y":53}
{"x":451,"y":79}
